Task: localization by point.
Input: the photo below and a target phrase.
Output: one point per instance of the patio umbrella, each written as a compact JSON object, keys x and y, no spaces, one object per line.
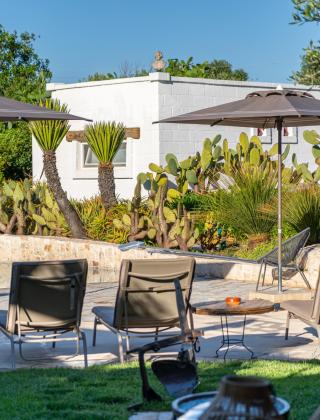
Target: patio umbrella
{"x":12,"y":110}
{"x":276,"y":108}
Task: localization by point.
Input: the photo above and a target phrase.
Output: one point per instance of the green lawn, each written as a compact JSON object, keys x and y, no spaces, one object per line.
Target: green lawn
{"x":105,"y":391}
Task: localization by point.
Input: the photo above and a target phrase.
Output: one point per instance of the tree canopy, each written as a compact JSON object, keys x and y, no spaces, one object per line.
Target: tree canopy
{"x":23,"y":76}
{"x":306,"y":11}
{"x":309,"y":73}
{"x":215,"y":69}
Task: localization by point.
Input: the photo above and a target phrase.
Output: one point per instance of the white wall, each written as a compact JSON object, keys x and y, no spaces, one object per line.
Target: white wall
{"x":131,"y":101}
{"x":138,"y":102}
{"x":183,"y":94}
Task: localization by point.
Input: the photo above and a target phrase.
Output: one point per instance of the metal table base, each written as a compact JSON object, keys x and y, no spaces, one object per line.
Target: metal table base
{"x":230,"y":342}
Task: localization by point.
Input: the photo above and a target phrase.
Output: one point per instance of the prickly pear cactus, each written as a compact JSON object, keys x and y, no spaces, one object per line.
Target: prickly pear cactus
{"x":313,"y":138}
{"x":29,"y":208}
{"x":164,"y":225}
{"x":45,"y":213}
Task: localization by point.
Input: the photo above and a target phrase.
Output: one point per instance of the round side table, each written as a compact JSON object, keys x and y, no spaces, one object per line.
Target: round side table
{"x":246,"y":307}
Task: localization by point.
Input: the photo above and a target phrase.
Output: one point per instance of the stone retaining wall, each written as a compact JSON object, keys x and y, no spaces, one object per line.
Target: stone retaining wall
{"x":107,"y":257}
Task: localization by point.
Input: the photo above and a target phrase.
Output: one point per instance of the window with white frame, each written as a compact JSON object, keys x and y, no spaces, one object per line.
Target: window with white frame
{"x":287,"y":132}
{"x":264,"y":134}
{"x":90,"y":160}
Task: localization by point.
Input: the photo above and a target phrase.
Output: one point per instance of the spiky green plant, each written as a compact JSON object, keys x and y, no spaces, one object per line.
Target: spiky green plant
{"x":239,"y":205}
{"x":300,"y":209}
{"x":49,"y":135}
{"x":105,"y":139}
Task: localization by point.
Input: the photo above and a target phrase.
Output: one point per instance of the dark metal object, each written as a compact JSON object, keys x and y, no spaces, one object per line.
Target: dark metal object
{"x":291,"y":249}
{"x":179,"y":376}
{"x":250,"y":307}
{"x":231,"y":342}
{"x":276,"y":108}
{"x":245,"y":397}
{"x":12,"y":110}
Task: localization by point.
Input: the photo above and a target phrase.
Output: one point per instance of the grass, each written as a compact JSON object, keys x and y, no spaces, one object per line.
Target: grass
{"x":104,"y":392}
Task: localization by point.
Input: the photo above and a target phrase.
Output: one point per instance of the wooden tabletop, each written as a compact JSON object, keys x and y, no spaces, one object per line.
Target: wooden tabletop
{"x":246,"y":307}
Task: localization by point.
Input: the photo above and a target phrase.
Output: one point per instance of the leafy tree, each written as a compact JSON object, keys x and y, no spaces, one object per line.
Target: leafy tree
{"x":49,"y":135}
{"x":309,"y":73}
{"x":125,"y":70}
{"x":104,"y":139}
{"x":100,"y":76}
{"x":15,"y":152}
{"x":23,"y":76}
{"x":216,"y":69}
{"x":306,"y":11}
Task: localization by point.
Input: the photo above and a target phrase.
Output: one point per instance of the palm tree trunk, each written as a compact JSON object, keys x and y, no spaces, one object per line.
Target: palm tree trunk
{"x":106,"y":185}
{"x":53,"y":179}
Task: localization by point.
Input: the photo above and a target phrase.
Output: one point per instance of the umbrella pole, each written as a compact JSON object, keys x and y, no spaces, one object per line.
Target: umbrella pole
{"x":279,"y":127}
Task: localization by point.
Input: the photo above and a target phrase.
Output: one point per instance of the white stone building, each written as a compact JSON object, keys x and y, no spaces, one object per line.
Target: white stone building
{"x":138,"y":102}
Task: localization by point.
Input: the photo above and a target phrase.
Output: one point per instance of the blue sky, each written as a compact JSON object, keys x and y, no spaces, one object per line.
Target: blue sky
{"x":80,"y":37}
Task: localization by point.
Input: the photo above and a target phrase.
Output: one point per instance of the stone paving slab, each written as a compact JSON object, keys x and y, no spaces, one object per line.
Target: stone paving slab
{"x":264,"y":333}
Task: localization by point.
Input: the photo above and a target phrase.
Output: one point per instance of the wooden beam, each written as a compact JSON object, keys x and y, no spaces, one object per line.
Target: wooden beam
{"x":133,"y":133}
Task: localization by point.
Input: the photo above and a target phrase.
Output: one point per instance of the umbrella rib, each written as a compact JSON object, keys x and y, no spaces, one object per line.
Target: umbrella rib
{"x":216,"y":122}
{"x":265,"y":123}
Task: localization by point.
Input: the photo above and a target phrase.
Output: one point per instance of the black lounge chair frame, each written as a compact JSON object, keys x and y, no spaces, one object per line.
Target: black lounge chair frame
{"x":64,"y":279}
{"x":145,"y":302}
{"x":291,"y":249}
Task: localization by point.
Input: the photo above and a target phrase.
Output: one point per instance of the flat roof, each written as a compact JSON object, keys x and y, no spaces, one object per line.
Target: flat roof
{"x":167,"y":78}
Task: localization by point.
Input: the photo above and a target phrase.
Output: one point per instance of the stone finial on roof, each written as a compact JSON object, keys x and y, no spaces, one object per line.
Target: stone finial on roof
{"x":159,"y":63}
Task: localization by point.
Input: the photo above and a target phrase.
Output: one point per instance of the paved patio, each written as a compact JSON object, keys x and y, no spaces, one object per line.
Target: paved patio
{"x":264,"y":333}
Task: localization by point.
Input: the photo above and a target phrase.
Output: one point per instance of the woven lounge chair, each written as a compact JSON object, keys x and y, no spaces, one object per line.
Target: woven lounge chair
{"x":291,"y":249}
{"x":45,"y":297}
{"x":146,"y":299}
{"x":307,"y":311}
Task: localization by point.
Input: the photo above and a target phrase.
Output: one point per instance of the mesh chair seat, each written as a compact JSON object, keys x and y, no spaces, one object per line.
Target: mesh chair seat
{"x":301,"y":308}
{"x":106,"y":314}
{"x":46,"y":297}
{"x":3,"y":318}
{"x":146,"y":298}
{"x":290,"y":252}
{"x":307,"y":311}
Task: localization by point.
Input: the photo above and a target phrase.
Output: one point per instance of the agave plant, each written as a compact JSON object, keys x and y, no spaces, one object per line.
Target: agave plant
{"x":49,"y":135}
{"x":105,"y":139}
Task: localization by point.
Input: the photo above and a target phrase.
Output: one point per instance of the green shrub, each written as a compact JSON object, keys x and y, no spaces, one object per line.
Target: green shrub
{"x":300,"y":209}
{"x":15,"y":152}
{"x":98,"y":221}
{"x":239,"y":205}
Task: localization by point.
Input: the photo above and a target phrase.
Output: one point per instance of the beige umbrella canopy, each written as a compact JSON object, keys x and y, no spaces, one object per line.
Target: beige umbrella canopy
{"x":12,"y":110}
{"x":276,"y":108}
